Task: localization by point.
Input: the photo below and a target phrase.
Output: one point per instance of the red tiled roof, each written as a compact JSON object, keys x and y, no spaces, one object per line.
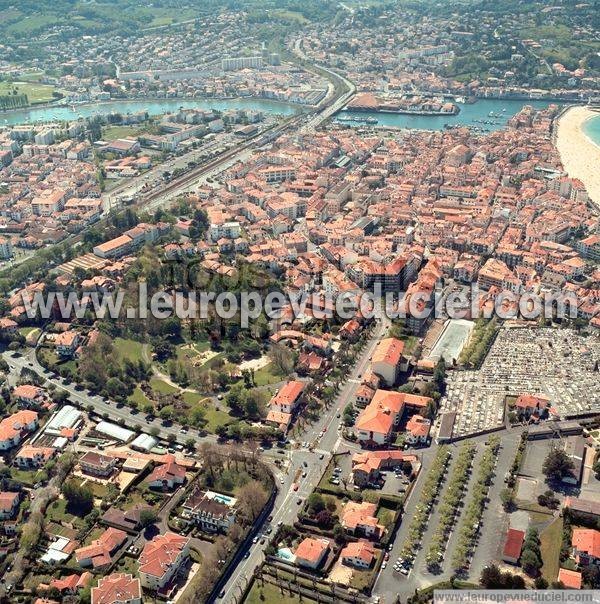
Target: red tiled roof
{"x":570,"y":578}
{"x":587,"y":540}
{"x":160,"y":553}
{"x":118,"y":587}
{"x":514,"y":543}
{"x":311,"y":549}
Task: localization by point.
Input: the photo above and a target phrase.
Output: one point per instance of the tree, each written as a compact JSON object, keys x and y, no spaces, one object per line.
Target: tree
{"x":316,"y":503}
{"x":507,"y":498}
{"x":348,"y":416}
{"x":540,"y":583}
{"x":80,"y":498}
{"x":252,"y":498}
{"x":339,"y":535}
{"x":591,"y":576}
{"x":530,"y":562}
{"x":283,"y":358}
{"x":490,"y":577}
{"x":148,"y":516}
{"x":557,"y":463}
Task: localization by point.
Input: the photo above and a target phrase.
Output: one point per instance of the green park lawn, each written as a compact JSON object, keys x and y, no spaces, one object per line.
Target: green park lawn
{"x":57,"y":512}
{"x":139,"y":397}
{"x":36,"y":92}
{"x":130,"y":349}
{"x":111,"y":132}
{"x":549,"y":538}
{"x":31,"y":23}
{"x":162,"y":387}
{"x":27,"y":477}
{"x":267,"y":375}
{"x":214,"y":417}
{"x":271,"y":593}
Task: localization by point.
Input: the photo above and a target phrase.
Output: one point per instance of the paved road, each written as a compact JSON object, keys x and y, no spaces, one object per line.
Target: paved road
{"x":286,"y":506}
{"x":84,"y":398}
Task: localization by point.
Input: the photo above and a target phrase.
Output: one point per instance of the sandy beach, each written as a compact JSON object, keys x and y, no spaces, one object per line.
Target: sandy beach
{"x":579,"y":155}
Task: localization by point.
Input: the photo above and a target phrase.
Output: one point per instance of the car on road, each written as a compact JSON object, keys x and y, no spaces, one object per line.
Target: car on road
{"x":305,"y":464}
{"x":299,"y":501}
{"x":386,"y":556}
{"x":339,"y":415}
{"x":383,"y":565}
{"x":295,"y":486}
{"x":322,"y":456}
{"x":247,"y":554}
{"x":282,"y":480}
{"x":303,"y":474}
{"x":255,"y":540}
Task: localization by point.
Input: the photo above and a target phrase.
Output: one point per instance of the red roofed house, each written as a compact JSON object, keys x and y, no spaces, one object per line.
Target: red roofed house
{"x":513,"y":545}
{"x":8,"y":327}
{"x":9,"y":504}
{"x":366,"y":467}
{"x":66,"y":343}
{"x":97,"y":464}
{"x":161,"y":559}
{"x":70,"y":584}
{"x":288,"y":398}
{"x":359,"y":554}
{"x":118,"y":588}
{"x":417,"y":430}
{"x":530,"y":404}
{"x":387,"y":361}
{"x":29,"y":456}
{"x":28,"y":395}
{"x":166,"y":476}
{"x":361,"y":519}
{"x":311,"y":552}
{"x":13,"y":428}
{"x":571,"y":579}
{"x":374,"y":426}
{"x":283,"y":404}
{"x":98,"y":554}
{"x":586,"y":546}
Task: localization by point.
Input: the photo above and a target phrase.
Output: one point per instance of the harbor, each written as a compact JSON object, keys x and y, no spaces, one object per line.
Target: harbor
{"x":485,"y":115}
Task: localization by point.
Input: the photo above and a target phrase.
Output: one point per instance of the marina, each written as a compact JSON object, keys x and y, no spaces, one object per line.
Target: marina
{"x":485,"y":115}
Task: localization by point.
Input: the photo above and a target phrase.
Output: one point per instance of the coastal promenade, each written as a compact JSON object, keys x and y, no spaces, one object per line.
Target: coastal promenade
{"x":579,"y":155}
